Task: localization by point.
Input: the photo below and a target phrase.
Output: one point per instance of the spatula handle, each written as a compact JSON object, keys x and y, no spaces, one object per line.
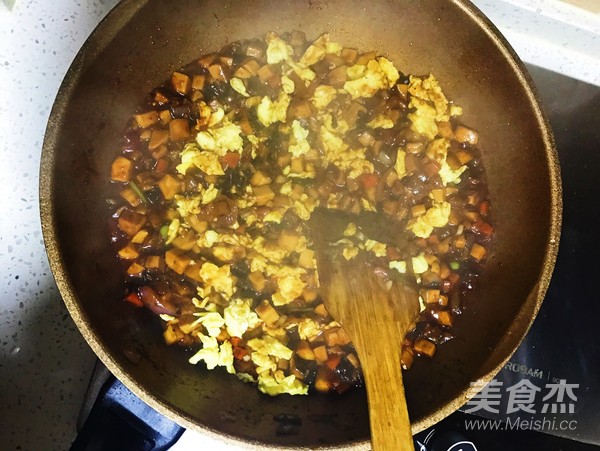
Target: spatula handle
{"x":390,"y":425}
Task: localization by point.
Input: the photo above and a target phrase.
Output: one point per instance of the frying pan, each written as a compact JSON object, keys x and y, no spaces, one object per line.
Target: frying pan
{"x":140,"y":43}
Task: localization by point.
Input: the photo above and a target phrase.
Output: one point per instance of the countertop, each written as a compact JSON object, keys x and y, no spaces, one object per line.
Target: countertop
{"x":45,"y":364}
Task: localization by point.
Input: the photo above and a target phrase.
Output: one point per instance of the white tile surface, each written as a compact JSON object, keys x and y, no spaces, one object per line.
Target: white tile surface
{"x":44,"y":363}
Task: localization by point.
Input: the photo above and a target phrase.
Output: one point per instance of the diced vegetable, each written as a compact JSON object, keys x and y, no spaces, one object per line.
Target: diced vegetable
{"x":121,"y":169}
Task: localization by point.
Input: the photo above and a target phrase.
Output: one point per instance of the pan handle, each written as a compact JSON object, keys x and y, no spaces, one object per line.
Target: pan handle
{"x":120,"y":421}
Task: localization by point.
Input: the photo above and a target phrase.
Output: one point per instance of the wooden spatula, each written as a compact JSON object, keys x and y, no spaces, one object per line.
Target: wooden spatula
{"x":377,"y":318}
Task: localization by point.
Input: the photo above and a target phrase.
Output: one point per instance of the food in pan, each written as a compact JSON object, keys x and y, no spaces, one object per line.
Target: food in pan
{"x":221,"y":169}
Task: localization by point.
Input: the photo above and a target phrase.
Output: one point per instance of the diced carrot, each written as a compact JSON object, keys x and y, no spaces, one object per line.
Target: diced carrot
{"x":484,"y":208}
{"x":134,"y":299}
{"x":482,"y":228}
{"x":230,"y":160}
{"x":333,"y":361}
{"x":239,"y":352}
{"x":369,"y":180}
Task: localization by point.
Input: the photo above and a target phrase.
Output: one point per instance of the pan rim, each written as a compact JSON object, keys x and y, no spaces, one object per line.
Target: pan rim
{"x":122,"y":13}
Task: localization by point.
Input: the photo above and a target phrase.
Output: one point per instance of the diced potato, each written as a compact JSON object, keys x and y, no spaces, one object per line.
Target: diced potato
{"x":266,"y":72}
{"x":310,"y":294}
{"x":320,"y":353}
{"x":135,"y":269}
{"x":424,"y":347}
{"x":248,"y":69}
{"x":337,"y":77}
{"x":130,"y":196}
{"x":226,"y":60}
{"x":460,"y":242}
{"x":304,"y":351}
{"x":160,"y":152}
{"x":263,"y":194}
{"x":322,"y":383}
{"x":463,"y":156}
{"x":445,"y":130}
{"x":443,"y":317}
{"x":288,"y":240}
{"x":321,"y":310}
{"x":185,"y":242}
{"x":301,"y":110}
{"x":217,"y":73}
{"x":179,"y":130}
{"x":267,"y":313}
{"x":128,"y":253}
{"x":297,"y":38}
{"x":418,"y":210}
{"x":206,"y":60}
{"x":407,"y":358}
{"x":158,"y":138}
{"x":430,"y":296}
{"x":172,"y":335}
{"x":307,"y":259}
{"x":154,"y":262}
{"x":364,"y":58}
{"x":438,"y":194}
{"x":193,"y":272}
{"x":477,"y":251}
{"x":198,"y":82}
{"x":160,"y":97}
{"x":121,"y":169}
{"x":463,"y":134}
{"x":145,"y":120}
{"x":257,"y":280}
{"x":131,"y":222}
{"x":259,"y":178}
{"x":165,"y":116}
{"x":139,"y":237}
{"x":176,"y":261}
{"x":349,"y":55}
{"x":181,"y":83}
{"x":169,"y":186}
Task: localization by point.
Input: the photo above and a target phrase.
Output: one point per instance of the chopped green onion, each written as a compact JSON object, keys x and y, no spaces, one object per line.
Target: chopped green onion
{"x":138,"y":191}
{"x":454,"y":266}
{"x":164,"y":231}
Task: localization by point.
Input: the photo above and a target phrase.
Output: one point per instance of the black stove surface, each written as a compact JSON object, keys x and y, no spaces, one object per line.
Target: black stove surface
{"x":562,"y":349}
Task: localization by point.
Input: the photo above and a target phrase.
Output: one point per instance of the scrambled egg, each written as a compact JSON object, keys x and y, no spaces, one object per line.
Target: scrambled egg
{"x":419,"y":264}
{"x":430,"y":105}
{"x":289,"y":284}
{"x":318,"y":49}
{"x":208,"y":162}
{"x":381,"y":121}
{"x":214,"y":354}
{"x":277,"y":49}
{"x":269,"y":111}
{"x":238,"y":317}
{"x":221,"y":139}
{"x":219,"y":279}
{"x":379,"y":249}
{"x":438,"y":150}
{"x":379,"y":74}
{"x":400,"y":165}
{"x":398,"y":265}
{"x":238,"y":85}
{"x":323,"y":96}
{"x":298,"y":141}
{"x":436,"y":216}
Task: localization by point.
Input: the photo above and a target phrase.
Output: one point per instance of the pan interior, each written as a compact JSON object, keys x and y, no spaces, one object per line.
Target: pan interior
{"x":140,"y":44}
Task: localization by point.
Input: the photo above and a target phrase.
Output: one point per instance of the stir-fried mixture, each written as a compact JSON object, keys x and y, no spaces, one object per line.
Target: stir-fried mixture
{"x":219,"y":174}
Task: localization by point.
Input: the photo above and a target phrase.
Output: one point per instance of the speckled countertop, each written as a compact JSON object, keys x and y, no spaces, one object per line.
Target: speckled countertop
{"x":44,"y":363}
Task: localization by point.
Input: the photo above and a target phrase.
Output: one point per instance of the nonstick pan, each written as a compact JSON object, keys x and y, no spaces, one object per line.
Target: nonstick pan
{"x":138,"y":46}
